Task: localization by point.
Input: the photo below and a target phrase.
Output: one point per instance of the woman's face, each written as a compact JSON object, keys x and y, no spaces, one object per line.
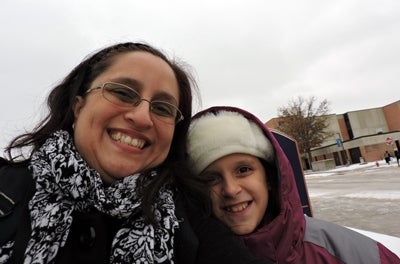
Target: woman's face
{"x":103,"y":129}
{"x":239,"y":191}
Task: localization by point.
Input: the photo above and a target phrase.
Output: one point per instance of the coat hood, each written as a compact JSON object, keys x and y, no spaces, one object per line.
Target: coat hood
{"x":283,"y":234}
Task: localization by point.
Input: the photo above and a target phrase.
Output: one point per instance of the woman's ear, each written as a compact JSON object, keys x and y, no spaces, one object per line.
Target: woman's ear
{"x":78,"y":104}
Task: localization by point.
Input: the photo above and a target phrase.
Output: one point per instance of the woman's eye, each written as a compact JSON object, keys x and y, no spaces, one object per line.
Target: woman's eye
{"x":162,"y":109}
{"x":125,"y":95}
{"x":117,"y":92}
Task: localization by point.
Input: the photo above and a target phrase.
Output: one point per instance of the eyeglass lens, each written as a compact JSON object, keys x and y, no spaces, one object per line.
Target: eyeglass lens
{"x":125,"y":96}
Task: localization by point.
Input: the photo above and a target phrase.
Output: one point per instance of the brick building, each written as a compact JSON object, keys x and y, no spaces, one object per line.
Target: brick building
{"x":365,"y":135}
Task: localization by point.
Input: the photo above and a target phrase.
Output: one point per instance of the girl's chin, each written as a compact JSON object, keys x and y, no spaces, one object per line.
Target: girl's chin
{"x":242,"y":232}
{"x":242,"y":229}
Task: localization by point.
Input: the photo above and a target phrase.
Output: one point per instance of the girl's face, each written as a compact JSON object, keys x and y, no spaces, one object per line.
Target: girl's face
{"x":239,"y":191}
{"x":120,"y":141}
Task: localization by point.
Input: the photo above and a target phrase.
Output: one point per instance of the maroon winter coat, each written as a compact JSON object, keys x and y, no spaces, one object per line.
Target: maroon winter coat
{"x":292,"y":237}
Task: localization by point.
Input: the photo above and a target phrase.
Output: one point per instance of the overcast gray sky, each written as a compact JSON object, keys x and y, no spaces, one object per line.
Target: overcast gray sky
{"x":255,"y":54}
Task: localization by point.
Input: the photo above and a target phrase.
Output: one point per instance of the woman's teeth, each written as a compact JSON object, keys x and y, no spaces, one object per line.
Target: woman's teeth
{"x":125,"y":139}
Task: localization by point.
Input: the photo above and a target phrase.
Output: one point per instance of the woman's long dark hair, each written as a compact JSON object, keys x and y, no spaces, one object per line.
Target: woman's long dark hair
{"x":61,"y":99}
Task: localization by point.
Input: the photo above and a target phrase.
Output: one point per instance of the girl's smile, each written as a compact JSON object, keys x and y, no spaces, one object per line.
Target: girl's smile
{"x":239,"y":191}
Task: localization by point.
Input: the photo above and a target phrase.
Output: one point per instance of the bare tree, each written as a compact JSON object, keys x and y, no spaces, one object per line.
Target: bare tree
{"x":306,"y":121}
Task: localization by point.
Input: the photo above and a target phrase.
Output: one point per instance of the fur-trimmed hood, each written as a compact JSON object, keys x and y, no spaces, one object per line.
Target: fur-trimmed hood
{"x":282,"y":236}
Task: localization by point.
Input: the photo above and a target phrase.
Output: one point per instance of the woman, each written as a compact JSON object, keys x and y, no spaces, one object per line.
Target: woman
{"x":104,"y":168}
{"x":253,"y":192}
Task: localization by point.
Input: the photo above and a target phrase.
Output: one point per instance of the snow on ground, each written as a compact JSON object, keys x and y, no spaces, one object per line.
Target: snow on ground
{"x":368,"y":165}
{"x":375,"y":195}
{"x":393,"y":195}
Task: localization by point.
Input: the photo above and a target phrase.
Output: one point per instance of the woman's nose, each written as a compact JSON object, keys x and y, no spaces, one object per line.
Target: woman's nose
{"x":231,"y":187}
{"x":140,"y":115}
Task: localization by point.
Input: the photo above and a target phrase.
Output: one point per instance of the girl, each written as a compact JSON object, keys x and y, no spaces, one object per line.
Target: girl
{"x":253,"y":192}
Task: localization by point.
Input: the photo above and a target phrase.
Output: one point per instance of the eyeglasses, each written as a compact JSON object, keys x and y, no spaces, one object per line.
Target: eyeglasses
{"x":124,"y":96}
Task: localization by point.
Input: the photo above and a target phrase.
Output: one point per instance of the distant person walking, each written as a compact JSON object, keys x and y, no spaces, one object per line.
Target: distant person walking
{"x":387,"y":157}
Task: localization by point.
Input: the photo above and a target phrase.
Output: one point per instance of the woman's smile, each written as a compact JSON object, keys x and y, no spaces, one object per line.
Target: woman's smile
{"x":128,"y":140}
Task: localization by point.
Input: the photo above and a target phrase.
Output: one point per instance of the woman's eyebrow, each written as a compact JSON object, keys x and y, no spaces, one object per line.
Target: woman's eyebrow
{"x":163,"y":96}
{"x":132,"y":83}
{"x":137,"y":86}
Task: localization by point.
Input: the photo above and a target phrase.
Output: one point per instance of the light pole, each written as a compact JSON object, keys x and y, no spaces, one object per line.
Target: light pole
{"x":339,"y":142}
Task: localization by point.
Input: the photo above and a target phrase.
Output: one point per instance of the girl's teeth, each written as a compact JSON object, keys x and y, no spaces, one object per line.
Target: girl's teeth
{"x":237,"y":208}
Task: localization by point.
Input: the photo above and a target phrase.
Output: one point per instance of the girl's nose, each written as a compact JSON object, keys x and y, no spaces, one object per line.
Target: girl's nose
{"x":140,"y":115}
{"x":231,"y":187}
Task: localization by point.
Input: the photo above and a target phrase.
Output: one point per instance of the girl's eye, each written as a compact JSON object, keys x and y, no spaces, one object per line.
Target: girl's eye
{"x":244,"y":170}
{"x":211,"y":179}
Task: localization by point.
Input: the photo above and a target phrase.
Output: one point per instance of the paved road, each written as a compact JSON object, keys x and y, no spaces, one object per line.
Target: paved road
{"x":367,"y":198}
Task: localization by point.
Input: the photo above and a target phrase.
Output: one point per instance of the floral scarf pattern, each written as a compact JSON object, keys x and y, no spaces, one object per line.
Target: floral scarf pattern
{"x":65,"y":183}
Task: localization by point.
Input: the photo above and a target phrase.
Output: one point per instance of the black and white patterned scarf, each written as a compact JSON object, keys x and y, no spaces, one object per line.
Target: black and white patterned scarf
{"x":65,"y":183}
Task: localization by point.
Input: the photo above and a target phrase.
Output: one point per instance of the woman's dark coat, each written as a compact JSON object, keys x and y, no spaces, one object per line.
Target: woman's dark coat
{"x":204,"y":240}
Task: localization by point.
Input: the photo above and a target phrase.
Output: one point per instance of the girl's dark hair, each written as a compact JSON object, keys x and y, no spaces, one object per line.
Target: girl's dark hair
{"x":61,"y":99}
{"x":274,"y":205}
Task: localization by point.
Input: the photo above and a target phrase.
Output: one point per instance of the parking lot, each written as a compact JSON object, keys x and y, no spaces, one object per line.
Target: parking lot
{"x":365,"y":197}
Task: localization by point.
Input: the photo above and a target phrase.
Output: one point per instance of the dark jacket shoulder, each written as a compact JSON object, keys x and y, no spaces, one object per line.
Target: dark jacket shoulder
{"x":16,"y":185}
{"x":186,"y":242}
{"x":15,"y":181}
{"x":16,"y":189}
